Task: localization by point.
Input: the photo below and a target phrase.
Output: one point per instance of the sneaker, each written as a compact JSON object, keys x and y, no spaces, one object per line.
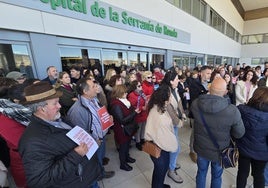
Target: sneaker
{"x":175,"y":176}
{"x":193,"y":156}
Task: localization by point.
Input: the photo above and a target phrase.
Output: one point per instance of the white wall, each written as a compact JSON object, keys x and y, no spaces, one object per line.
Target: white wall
{"x":258,"y":26}
{"x":204,"y":39}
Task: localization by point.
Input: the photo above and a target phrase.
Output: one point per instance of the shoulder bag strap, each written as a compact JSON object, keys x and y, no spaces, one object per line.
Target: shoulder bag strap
{"x":212,"y":138}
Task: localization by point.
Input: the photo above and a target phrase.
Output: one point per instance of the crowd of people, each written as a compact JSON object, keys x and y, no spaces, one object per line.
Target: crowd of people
{"x":37,"y":114}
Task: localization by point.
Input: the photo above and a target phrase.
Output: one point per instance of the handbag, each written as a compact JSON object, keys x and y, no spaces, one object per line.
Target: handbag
{"x":229,"y":156}
{"x":130,"y":128}
{"x":151,"y":148}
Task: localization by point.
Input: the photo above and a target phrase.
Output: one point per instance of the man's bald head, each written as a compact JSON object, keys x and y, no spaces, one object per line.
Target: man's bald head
{"x":218,"y":87}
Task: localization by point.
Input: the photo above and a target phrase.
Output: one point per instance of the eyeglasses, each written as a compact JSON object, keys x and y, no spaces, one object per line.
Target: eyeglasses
{"x":149,"y":77}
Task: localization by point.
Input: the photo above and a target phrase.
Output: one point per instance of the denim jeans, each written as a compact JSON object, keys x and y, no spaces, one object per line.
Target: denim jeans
{"x":160,"y":169}
{"x":94,"y":185}
{"x":101,"y":150}
{"x":266,"y":174}
{"x":202,"y":169}
{"x":174,"y":155}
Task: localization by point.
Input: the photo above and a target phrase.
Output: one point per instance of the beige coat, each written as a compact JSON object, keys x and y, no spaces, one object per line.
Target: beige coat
{"x":159,"y":129}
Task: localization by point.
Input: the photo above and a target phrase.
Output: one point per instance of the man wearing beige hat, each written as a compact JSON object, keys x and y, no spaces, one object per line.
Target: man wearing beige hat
{"x":223,"y":120}
{"x":49,"y":157}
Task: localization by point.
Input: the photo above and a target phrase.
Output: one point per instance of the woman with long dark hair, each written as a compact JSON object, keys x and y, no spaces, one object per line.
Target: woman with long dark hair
{"x":244,"y":88}
{"x":177,"y":114}
{"x":158,"y":128}
{"x":253,"y":146}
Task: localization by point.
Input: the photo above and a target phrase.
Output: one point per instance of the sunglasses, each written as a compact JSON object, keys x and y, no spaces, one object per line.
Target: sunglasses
{"x":138,"y":85}
{"x":153,"y":77}
{"x":149,"y":77}
{"x":21,"y":78}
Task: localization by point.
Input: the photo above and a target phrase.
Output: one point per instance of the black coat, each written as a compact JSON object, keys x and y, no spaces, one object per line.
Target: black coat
{"x":49,"y":158}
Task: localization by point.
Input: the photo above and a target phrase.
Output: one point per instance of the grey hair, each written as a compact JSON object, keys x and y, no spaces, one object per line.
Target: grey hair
{"x":34,"y":107}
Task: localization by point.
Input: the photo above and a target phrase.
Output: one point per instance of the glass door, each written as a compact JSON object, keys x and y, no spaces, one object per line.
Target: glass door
{"x":15,"y":57}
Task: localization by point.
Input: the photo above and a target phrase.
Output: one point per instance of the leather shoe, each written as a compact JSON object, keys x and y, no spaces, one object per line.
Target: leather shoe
{"x":131,"y":160}
{"x":126,"y":167}
{"x":108,"y":174}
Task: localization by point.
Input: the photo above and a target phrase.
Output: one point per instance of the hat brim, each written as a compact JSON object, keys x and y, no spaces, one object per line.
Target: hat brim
{"x":56,"y":95}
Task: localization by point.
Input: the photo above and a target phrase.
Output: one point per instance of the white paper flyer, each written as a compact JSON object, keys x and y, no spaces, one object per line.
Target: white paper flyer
{"x":79,"y":135}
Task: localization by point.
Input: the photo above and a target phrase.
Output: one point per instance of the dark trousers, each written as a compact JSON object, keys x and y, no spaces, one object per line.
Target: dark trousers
{"x":124,"y":152}
{"x":243,"y":171}
{"x":160,"y":169}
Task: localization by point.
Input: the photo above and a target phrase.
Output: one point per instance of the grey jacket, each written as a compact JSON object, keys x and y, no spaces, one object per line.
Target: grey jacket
{"x":223,"y":119}
{"x":80,"y":115}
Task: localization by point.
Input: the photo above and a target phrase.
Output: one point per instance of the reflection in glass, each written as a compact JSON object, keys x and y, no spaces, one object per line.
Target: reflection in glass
{"x":137,"y":58}
{"x":70,"y":56}
{"x":113,"y":59}
{"x":156,"y":59}
{"x":15,"y":57}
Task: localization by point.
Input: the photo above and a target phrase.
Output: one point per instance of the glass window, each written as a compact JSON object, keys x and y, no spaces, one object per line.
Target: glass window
{"x":157,"y":59}
{"x":203,"y":11}
{"x":113,"y":59}
{"x":216,"y":21}
{"x":177,"y":3}
{"x":15,"y":57}
{"x":186,"y":6}
{"x":193,"y":62}
{"x":177,"y":59}
{"x":244,"y":39}
{"x":218,"y":61}
{"x":237,"y":36}
{"x":70,"y":56}
{"x":94,"y":59}
{"x":210,"y":60}
{"x":254,"y":39}
{"x":265,"y":38}
{"x":196,"y":9}
{"x":256,"y":61}
{"x":230,"y":31}
{"x":137,"y":58}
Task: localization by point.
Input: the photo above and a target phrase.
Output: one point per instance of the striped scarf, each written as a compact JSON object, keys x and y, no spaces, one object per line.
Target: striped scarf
{"x":15,"y":111}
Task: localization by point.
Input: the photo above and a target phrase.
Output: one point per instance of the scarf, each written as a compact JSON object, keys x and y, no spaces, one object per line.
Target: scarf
{"x":15,"y":111}
{"x":125,"y":102}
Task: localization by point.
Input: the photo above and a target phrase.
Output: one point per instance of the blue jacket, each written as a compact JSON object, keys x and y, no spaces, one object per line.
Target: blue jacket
{"x":254,"y":143}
